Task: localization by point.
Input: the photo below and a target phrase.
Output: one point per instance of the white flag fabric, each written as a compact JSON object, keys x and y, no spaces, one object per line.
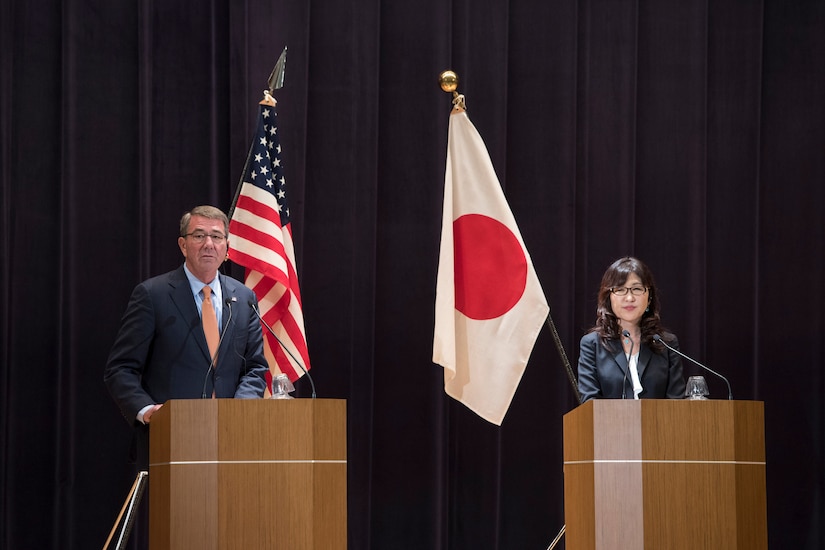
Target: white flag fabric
{"x":489,"y":305}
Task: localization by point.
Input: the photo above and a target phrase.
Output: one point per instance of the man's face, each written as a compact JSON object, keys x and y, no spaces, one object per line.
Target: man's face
{"x":204,"y":247}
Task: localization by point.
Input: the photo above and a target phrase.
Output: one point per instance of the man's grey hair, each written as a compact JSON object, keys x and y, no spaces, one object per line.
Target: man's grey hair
{"x":205,"y":211}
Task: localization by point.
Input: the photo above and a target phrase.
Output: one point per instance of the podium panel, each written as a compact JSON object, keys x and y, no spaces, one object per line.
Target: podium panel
{"x":676,"y":474}
{"x":248,"y":473}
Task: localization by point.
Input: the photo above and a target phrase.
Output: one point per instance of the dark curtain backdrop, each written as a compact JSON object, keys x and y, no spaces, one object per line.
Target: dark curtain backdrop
{"x":688,"y":133}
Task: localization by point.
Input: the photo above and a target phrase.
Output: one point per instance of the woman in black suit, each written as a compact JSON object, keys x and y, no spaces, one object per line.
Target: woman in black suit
{"x":619,"y":357}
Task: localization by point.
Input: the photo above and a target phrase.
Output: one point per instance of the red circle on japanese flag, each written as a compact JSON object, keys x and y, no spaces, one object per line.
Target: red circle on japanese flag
{"x":490,"y":267}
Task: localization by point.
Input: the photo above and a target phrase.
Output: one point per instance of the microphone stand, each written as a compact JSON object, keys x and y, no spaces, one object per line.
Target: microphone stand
{"x":286,"y":349}
{"x":211,"y":369}
{"x":626,"y":334}
{"x":659,"y":339}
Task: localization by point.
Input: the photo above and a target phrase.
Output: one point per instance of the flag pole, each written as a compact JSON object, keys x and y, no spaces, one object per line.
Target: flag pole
{"x":448,"y":81}
{"x":275,"y":81}
{"x":564,"y":360}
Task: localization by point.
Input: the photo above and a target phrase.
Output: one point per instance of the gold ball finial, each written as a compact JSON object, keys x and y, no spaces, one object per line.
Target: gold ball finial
{"x":448,"y":81}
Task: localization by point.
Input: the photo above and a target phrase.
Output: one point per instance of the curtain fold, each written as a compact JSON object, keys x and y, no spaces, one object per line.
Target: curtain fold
{"x":687,"y":133}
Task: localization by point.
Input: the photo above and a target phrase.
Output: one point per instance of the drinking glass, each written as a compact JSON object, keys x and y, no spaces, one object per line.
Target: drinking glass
{"x":697,"y":388}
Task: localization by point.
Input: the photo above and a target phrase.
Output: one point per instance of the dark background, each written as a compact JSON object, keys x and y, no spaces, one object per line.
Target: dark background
{"x":688,"y":133}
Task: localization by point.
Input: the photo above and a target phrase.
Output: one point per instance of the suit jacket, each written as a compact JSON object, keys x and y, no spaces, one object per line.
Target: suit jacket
{"x":604,"y":371}
{"x":160,"y":352}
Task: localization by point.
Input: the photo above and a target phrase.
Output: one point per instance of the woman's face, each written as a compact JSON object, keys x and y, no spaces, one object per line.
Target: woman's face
{"x":629,"y":308}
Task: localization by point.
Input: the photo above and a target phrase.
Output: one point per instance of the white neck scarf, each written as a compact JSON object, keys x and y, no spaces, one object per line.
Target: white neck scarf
{"x":633,"y":365}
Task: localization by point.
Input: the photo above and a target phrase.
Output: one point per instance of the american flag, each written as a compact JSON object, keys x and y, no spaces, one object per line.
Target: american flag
{"x":260,"y":239}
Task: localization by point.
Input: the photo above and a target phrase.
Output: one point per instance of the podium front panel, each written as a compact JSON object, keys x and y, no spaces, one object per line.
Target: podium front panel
{"x":651,"y":474}
{"x":232,"y":473}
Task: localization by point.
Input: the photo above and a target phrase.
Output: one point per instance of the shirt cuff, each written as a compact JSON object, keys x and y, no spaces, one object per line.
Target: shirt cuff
{"x":142,"y":411}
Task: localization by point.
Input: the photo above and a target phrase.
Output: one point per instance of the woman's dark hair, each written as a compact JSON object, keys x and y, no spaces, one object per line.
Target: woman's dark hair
{"x":607,"y":325}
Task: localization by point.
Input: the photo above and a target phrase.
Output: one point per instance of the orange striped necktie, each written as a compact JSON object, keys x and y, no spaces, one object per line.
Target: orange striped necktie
{"x":210,"y":323}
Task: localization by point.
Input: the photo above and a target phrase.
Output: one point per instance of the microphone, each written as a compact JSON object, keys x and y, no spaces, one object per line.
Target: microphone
{"x":626,"y":334}
{"x":658,"y":338}
{"x":209,"y":371}
{"x":286,"y":349}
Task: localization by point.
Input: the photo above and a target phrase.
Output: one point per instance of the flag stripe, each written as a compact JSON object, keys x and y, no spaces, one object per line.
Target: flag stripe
{"x":276,"y":309}
{"x":256,"y":242}
{"x":269,"y":262}
{"x":252,"y":262}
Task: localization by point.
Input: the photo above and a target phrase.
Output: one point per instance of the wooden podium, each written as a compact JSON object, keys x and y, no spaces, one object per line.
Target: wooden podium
{"x":665,"y":474}
{"x":248,"y":473}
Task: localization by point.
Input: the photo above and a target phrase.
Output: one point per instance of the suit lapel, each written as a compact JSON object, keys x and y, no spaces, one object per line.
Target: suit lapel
{"x":181,"y":294}
{"x":230,"y":301}
{"x":644,"y":359}
{"x":619,"y":356}
{"x":621,"y":359}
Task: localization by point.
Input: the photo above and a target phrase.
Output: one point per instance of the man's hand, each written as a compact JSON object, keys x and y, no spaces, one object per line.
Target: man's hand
{"x":148,"y":414}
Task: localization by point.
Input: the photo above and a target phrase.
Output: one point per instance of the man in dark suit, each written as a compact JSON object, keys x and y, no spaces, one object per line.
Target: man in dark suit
{"x":161,"y":351}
